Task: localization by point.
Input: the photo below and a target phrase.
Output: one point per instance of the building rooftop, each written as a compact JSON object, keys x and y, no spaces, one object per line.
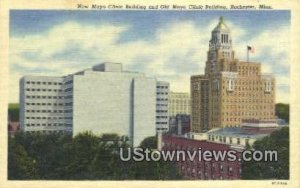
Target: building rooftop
{"x":236,"y":132}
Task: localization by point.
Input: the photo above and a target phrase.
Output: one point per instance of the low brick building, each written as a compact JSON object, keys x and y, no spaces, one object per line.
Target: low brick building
{"x":200,"y":169}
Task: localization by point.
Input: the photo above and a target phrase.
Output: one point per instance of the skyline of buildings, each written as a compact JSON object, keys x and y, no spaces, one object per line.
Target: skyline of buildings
{"x":230,"y":91}
{"x":230,"y":106}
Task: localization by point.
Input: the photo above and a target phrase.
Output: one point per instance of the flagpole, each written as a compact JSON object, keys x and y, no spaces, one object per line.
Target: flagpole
{"x":247,"y":54}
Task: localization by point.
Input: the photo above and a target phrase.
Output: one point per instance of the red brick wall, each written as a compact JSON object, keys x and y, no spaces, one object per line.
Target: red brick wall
{"x":200,"y":169}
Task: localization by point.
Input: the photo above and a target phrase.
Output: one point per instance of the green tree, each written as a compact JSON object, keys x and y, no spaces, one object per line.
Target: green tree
{"x":13,"y":111}
{"x":149,"y":142}
{"x":20,"y":165}
{"x":282,"y":111}
{"x":278,"y":141}
{"x":84,"y":157}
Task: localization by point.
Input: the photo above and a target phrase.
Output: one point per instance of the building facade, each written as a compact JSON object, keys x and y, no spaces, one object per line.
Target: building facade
{"x":180,"y":125}
{"x":42,"y":104}
{"x":162,"y":98}
{"x":103,"y":99}
{"x":230,"y":90}
{"x":201,"y":169}
{"x":179,"y":103}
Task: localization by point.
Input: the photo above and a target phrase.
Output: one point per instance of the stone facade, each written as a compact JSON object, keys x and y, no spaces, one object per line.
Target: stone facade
{"x":231,"y":90}
{"x":179,"y":103}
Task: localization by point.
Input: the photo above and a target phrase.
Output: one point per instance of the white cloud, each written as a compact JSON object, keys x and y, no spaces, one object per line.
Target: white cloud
{"x":177,"y":51}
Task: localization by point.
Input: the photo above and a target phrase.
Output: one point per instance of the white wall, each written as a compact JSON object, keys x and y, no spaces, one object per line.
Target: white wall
{"x":144,"y":109}
{"x":104,"y":102}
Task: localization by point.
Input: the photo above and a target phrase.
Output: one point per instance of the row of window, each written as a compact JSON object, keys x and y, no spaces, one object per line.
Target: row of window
{"x":246,"y":95}
{"x":161,"y":111}
{"x":44,"y":97}
{"x":45,"y":111}
{"x":224,"y":139}
{"x":247,"y":107}
{"x":48,"y":90}
{"x":162,"y":99}
{"x":162,"y":129}
{"x":247,"y":113}
{"x":46,"y":131}
{"x":44,"y":83}
{"x":246,"y":99}
{"x":47,"y":104}
{"x":49,"y":111}
{"x":45,"y":124}
{"x":247,"y":68}
{"x":162,"y":93}
{"x":161,"y":123}
{"x":162,"y":87}
{"x":177,"y":103}
{"x":180,"y":97}
{"x":204,"y":175}
{"x":165,"y":105}
{"x":162,"y":117}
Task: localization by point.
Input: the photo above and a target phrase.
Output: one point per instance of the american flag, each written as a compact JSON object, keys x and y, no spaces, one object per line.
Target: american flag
{"x":251,"y":49}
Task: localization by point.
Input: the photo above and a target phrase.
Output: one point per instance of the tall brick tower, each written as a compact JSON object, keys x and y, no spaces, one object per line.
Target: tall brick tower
{"x":230,"y":91}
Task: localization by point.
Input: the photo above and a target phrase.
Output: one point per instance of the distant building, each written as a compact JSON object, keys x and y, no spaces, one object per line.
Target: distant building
{"x":162,"y":97}
{"x":180,"y":125}
{"x":231,"y":90}
{"x":203,"y":170}
{"x":103,"y":99}
{"x":238,"y":137}
{"x":179,"y":103}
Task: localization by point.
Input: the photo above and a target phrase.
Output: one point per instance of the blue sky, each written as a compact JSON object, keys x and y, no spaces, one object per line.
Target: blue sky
{"x":170,"y":45}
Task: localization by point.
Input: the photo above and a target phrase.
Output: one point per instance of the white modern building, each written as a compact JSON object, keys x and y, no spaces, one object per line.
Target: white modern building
{"x":103,"y":99}
{"x":179,"y":103}
{"x":42,"y":104}
{"x":162,"y":115}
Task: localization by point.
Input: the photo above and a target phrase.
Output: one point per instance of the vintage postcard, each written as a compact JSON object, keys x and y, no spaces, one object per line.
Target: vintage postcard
{"x":164,"y":94}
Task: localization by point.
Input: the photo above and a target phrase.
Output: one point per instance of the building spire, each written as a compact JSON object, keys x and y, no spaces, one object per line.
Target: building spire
{"x":221,"y":19}
{"x":221,"y":25}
